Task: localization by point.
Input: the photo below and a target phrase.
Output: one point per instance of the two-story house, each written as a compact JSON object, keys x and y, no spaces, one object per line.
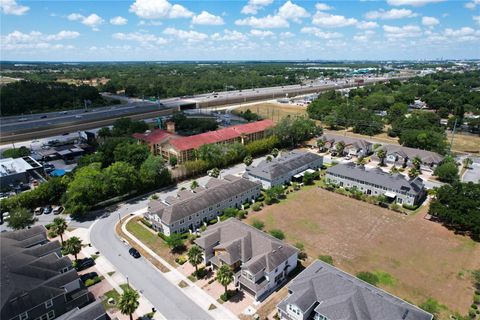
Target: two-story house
{"x":260,"y":261}
{"x":323,"y":292}
{"x":191,"y":208}
{"x":353,"y":146}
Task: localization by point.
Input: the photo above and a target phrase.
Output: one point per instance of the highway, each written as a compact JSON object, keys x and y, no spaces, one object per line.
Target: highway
{"x":23,"y":127}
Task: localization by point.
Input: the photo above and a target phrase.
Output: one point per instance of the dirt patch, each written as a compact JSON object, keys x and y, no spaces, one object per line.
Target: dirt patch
{"x":422,"y":258}
{"x":275,"y":111}
{"x":465,"y":143}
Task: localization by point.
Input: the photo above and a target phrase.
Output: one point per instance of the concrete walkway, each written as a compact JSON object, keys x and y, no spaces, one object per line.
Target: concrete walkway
{"x":192,"y":291}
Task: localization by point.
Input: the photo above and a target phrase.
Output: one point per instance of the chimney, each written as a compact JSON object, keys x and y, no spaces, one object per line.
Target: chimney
{"x":171,"y":126}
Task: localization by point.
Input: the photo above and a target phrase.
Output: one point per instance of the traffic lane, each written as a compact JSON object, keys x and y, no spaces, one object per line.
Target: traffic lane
{"x":166,"y":297}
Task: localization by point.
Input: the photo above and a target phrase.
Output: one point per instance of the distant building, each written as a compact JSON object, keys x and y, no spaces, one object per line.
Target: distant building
{"x":192,"y":208}
{"x":37,"y":282}
{"x":282,"y":169}
{"x":323,"y":292}
{"x":19,"y":171}
{"x":376,"y":182}
{"x":418,"y":104}
{"x":167,"y":144}
{"x":400,"y":156}
{"x":353,"y":146}
{"x":261,"y":262}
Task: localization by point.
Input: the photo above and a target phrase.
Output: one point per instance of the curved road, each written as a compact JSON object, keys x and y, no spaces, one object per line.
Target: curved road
{"x":166,"y":297}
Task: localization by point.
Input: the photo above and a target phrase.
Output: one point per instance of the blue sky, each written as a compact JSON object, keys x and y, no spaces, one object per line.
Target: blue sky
{"x":75,"y":30}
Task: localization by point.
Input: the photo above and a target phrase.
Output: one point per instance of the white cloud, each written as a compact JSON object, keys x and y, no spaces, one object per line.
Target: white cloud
{"x":367,"y":25}
{"x":430,"y":21}
{"x":390,"y":14}
{"x":229,"y":35}
{"x":292,"y":11}
{"x":462,"y":34}
{"x":144,"y":39}
{"x":154,"y":23}
{"x":268,"y":22}
{"x":332,"y":21}
{"x":36,"y":40}
{"x":93,"y":20}
{"x":321,"y":34}
{"x":206,"y":18}
{"x":285,"y":35}
{"x":118,"y":21}
{"x":472,"y":4}
{"x":364,"y":37}
{"x":190,"y":36}
{"x":261,"y":33}
{"x":323,"y":7}
{"x":12,"y":7}
{"x":157,"y":9}
{"x":253,"y":6}
{"x":408,"y":31}
{"x":413,"y":3}
{"x":476,"y":19}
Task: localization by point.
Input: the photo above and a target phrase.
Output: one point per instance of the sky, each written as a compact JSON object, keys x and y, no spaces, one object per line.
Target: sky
{"x":158,"y":30}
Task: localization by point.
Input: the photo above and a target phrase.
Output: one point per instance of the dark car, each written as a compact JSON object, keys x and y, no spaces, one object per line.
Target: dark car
{"x":85,"y":264}
{"x":47,"y":210}
{"x":134,"y":253}
{"x":87,"y":276}
{"x":43,"y":117}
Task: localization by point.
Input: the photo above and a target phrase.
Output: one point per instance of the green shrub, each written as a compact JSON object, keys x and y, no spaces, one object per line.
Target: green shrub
{"x":161,"y":235}
{"x":277,"y":234}
{"x":476,"y":299}
{"x":154,"y":197}
{"x":213,"y":221}
{"x":409,"y":207}
{"x":91,"y":282}
{"x":257,"y":206}
{"x":146,"y":222}
{"x":368,"y":277}
{"x":326,"y":258}
{"x":474,"y":306}
{"x":431,"y":305}
{"x":260,"y":198}
{"x":203,"y":228}
{"x":181,"y":260}
{"x":241,"y":214}
{"x":258,"y":224}
{"x":246,"y":206}
{"x":48,"y":226}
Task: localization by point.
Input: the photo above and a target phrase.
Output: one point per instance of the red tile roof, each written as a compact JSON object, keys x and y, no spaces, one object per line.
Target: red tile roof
{"x":156,"y":136}
{"x":196,"y":141}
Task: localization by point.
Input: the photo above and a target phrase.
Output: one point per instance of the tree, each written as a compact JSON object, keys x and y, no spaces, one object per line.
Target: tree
{"x":275,"y":192}
{"x":293,"y":130}
{"x":175,"y":241}
{"x":73,"y":246}
{"x":417,"y":163}
{"x":215,"y":172}
{"x":382,"y":154}
{"x":397,"y":111}
{"x":225,"y":277}
{"x":104,"y":133}
{"x":413,"y":173}
{"x":248,"y":160}
{"x":21,"y":218}
{"x":120,"y":178}
{"x":58,"y":227}
{"x":129,"y":302}
{"x":194,"y":184}
{"x":331,"y":121}
{"x":16,"y":152}
{"x":173,"y":161}
{"x":195,"y":257}
{"x":277,"y":234}
{"x":132,"y":153}
{"x":212,"y":154}
{"x":321,"y":144}
{"x":275,"y":152}
{"x":447,"y":171}
{"x":307,"y":178}
{"x":340,"y":148}
{"x":153,"y":173}
{"x":467,"y":162}
{"x":362,"y":160}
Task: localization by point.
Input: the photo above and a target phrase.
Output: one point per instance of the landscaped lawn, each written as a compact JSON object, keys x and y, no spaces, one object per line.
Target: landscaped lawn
{"x":413,"y":258}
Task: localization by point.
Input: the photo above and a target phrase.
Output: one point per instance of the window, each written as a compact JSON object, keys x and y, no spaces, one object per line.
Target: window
{"x":49,"y":303}
{"x":24,"y":316}
{"x":51,"y":315}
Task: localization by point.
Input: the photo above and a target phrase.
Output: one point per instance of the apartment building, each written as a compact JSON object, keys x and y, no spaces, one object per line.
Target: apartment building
{"x":323,"y":292}
{"x":282,"y":169}
{"x":191,"y":208}
{"x":377,"y":182}
{"x":37,"y":282}
{"x":261,"y":262}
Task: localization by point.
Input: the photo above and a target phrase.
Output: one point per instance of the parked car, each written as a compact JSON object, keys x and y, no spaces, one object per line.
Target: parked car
{"x":47,"y":209}
{"x":43,"y":117}
{"x":349,"y":157}
{"x":57,"y":210}
{"x":85,"y":264}
{"x":134,"y":253}
{"x":38,"y":211}
{"x":87,"y":276}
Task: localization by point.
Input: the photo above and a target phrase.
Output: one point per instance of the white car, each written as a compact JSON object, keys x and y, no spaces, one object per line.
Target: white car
{"x":78,"y":116}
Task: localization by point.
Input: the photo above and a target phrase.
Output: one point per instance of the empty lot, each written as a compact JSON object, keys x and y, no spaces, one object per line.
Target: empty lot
{"x":424,"y":258}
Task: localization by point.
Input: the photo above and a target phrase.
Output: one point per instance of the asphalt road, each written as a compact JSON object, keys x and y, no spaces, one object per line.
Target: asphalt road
{"x":166,"y":297}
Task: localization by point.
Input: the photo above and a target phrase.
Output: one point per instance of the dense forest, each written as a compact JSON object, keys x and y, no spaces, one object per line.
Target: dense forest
{"x":33,"y":97}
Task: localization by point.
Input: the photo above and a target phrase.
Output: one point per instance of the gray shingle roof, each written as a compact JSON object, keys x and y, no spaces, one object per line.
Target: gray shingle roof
{"x":242,"y":242}
{"x":379,"y":177}
{"x":215,"y":191}
{"x":338,"y":295}
{"x":287,"y":162}
{"x":333,"y":139}
{"x":425,"y":155}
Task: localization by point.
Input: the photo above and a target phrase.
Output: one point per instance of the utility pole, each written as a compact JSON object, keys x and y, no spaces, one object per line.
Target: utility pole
{"x":453,"y":136}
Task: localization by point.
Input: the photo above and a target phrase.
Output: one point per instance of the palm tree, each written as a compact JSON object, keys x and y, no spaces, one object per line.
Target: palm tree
{"x":128,"y":302}
{"x":467,"y":162}
{"x":194,"y":184}
{"x":248,"y":160}
{"x":340,"y":148}
{"x":321,"y":144}
{"x":225,"y":276}
{"x":59,"y":227}
{"x":195,"y":257}
{"x":382,"y":154}
{"x":417,"y":162}
{"x":362,"y":160}
{"x":73,"y":246}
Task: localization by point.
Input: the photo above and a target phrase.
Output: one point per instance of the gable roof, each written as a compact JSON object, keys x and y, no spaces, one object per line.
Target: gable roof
{"x":154,"y":137}
{"x":196,"y":141}
{"x":425,"y":155}
{"x":239,"y":241}
{"x":358,"y":143}
{"x":378,"y":177}
{"x":215,"y":191}
{"x":339,"y":295}
{"x":285,"y":163}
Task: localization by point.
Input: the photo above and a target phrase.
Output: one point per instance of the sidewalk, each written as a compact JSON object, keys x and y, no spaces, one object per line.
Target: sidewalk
{"x":192,"y":291}
{"x":105,"y":267}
